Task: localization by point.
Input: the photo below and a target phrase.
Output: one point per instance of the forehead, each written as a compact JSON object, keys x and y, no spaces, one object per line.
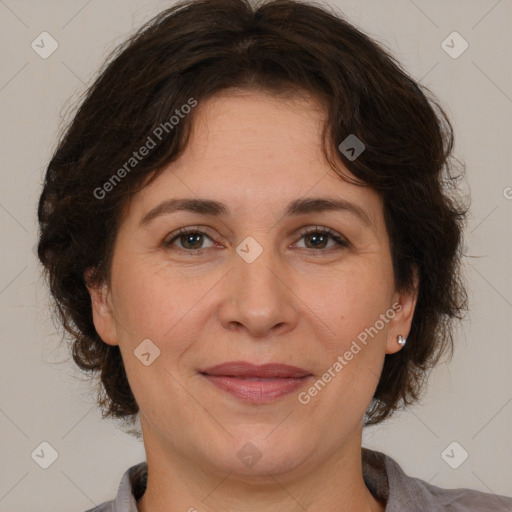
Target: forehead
{"x":256,"y":151}
{"x":258,"y":131}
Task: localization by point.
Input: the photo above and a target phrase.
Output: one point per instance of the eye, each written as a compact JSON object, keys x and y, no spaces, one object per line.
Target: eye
{"x":319,"y":236}
{"x":190,"y":239}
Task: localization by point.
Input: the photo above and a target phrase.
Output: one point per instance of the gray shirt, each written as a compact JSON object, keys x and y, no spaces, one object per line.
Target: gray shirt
{"x":382,"y":475}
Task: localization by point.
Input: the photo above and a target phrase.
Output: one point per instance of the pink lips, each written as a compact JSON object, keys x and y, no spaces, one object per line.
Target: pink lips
{"x":256,"y":384}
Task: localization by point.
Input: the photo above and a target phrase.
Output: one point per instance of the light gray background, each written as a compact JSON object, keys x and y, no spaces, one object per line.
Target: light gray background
{"x":468,"y":401}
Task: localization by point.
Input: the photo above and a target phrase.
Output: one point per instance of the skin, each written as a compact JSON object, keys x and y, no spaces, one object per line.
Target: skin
{"x":300,"y":303}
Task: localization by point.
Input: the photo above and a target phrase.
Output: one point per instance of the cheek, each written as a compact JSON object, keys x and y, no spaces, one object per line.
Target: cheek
{"x":160,"y":303}
{"x":350,"y":302}
{"x":144,"y":302}
{"x":354,"y":344}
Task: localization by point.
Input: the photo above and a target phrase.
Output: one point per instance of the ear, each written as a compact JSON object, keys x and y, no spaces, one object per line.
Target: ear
{"x":404,"y":304}
{"x":102,"y":310}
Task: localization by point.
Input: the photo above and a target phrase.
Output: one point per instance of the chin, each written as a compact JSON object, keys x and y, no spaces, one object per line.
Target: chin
{"x":260,"y":451}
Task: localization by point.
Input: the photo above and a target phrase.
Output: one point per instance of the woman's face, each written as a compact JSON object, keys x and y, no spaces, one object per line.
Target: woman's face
{"x":248,"y":284}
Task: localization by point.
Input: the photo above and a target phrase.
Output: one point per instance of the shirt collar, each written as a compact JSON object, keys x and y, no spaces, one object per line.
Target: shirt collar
{"x":131,"y":488}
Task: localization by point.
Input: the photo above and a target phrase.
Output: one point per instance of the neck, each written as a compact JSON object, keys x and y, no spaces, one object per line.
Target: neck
{"x":178,"y":482}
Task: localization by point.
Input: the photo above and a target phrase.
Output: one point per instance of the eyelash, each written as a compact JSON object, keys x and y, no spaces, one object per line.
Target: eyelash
{"x":342,"y":243}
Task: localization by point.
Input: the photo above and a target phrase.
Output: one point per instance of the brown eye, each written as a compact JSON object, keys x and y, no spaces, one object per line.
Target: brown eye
{"x":319,"y":238}
{"x":188,"y":240}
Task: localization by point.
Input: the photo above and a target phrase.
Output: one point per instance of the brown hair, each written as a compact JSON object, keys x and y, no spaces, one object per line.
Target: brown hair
{"x":198,"y":48}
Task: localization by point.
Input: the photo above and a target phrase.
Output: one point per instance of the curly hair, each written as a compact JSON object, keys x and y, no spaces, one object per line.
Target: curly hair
{"x":197,"y":48}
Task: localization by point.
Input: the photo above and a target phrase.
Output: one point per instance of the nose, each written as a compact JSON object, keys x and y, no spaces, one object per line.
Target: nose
{"x":259,"y":297}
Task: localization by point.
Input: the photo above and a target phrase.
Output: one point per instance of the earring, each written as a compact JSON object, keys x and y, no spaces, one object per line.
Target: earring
{"x":401,"y":340}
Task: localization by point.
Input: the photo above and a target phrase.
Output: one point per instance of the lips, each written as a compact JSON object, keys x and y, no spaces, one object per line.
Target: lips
{"x":256,"y":384}
{"x":247,"y":370}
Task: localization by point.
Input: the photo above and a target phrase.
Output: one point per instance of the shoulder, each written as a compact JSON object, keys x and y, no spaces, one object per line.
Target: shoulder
{"x":409,"y":494}
{"x":425,"y":496}
{"x":469,"y":500}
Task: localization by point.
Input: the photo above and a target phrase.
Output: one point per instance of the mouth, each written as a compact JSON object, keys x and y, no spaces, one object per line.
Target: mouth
{"x":256,"y":384}
{"x":249,"y":370}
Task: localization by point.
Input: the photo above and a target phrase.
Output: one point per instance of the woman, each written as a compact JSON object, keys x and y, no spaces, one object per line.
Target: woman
{"x":246,"y":231}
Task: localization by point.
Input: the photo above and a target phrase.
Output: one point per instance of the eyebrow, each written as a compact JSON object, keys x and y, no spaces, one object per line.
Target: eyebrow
{"x":218,"y":209}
